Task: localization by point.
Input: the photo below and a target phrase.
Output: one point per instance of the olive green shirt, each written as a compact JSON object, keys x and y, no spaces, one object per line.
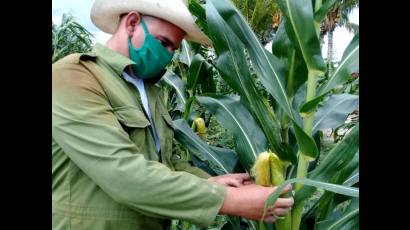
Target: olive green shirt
{"x":106,"y":173}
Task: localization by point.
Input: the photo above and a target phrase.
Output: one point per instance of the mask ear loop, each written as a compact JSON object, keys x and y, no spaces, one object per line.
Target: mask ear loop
{"x":132,"y":34}
{"x":144,"y":26}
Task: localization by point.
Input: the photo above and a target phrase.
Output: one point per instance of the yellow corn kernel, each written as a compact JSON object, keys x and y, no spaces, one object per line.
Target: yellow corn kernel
{"x":276,"y":169}
{"x":262,"y":169}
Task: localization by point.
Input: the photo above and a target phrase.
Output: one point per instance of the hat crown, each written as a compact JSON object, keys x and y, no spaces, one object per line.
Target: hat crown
{"x":105,"y":14}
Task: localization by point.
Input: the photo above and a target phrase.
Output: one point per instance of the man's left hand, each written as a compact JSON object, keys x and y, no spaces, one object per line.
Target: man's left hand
{"x":232,"y":180}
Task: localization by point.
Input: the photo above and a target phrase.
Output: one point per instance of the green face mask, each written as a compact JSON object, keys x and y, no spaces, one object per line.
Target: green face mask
{"x":151,"y":58}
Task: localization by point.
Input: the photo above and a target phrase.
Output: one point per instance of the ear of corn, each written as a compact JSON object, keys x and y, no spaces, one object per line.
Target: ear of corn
{"x":262,"y":169}
{"x":269,"y":170}
{"x":200,"y":127}
{"x":276,"y":169}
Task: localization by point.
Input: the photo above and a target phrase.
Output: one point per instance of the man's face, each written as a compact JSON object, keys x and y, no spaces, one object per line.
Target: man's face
{"x":165,"y":32}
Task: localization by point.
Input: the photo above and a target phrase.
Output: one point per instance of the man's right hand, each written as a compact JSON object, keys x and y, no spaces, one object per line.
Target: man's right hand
{"x":249,"y":200}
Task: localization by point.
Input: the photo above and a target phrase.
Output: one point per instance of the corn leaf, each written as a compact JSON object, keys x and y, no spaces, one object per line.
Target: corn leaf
{"x":224,"y":159}
{"x":199,"y":12}
{"x":340,"y":189}
{"x":348,"y":220}
{"x":335,"y":111}
{"x":177,"y":84}
{"x":231,"y":114}
{"x":268,"y":67}
{"x":337,"y":159}
{"x":295,"y":67}
{"x":185,"y":55}
{"x":348,"y":65}
{"x":198,"y":70}
{"x":302,"y":32}
{"x":233,"y":67}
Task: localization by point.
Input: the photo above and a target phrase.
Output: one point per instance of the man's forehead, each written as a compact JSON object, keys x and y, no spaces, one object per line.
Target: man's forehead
{"x":167,"y":30}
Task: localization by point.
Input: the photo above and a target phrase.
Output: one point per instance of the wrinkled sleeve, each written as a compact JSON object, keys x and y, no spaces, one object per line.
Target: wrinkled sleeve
{"x":84,"y":126}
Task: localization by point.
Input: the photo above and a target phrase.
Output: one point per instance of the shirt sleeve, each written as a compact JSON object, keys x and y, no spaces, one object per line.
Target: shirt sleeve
{"x":84,"y":126}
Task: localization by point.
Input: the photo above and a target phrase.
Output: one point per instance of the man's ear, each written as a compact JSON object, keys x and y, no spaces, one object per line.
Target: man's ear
{"x":132,"y":19}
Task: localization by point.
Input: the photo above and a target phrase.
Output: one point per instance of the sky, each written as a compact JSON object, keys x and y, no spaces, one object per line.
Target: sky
{"x":341,"y":37}
{"x":80,"y":9}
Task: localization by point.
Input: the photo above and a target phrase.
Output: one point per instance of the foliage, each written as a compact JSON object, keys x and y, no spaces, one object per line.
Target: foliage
{"x":69,"y":37}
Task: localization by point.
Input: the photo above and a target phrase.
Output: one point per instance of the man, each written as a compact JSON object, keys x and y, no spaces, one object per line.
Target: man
{"x":113,"y":162}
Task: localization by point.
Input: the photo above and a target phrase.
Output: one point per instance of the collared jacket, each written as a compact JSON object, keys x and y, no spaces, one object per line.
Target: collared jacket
{"x":106,"y":173}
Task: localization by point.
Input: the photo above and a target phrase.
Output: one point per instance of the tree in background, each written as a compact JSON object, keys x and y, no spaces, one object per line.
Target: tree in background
{"x":338,"y":15}
{"x":262,"y":15}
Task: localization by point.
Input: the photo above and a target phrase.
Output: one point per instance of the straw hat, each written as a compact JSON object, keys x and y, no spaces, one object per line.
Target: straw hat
{"x":105,"y":14}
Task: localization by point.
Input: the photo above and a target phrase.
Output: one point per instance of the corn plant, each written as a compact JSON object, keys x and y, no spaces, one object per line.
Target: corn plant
{"x":305,"y":103}
{"x":69,"y":37}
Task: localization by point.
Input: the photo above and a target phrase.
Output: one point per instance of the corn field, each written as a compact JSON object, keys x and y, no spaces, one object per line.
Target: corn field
{"x":291,"y":120}
{"x":280,"y":115}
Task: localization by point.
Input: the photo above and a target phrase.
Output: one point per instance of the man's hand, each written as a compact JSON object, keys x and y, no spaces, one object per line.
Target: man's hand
{"x":233,"y":180}
{"x":249,"y":200}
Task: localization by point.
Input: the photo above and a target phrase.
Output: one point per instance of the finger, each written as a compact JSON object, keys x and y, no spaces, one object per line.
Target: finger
{"x":242,"y":176}
{"x":269,"y":219}
{"x":281,"y":211}
{"x":270,"y":212}
{"x":248,"y":182}
{"x":234,"y":183}
{"x":284,"y":202}
{"x":286,"y":189}
{"x":271,"y":209}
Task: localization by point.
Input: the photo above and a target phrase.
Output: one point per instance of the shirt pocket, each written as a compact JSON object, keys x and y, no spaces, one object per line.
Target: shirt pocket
{"x":131,"y":117}
{"x":134,"y":122}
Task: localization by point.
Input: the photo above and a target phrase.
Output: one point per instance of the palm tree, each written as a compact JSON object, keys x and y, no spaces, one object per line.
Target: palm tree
{"x":338,"y":15}
{"x":69,"y":37}
{"x":262,"y":15}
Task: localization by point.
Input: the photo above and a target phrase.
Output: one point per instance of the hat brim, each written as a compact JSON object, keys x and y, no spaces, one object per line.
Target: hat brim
{"x":105,"y":14}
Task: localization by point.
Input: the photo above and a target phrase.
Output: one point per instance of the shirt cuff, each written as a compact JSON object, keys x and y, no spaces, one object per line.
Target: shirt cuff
{"x":213,"y":204}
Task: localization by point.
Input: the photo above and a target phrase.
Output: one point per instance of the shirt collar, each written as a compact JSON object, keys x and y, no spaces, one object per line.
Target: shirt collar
{"x":115,"y":60}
